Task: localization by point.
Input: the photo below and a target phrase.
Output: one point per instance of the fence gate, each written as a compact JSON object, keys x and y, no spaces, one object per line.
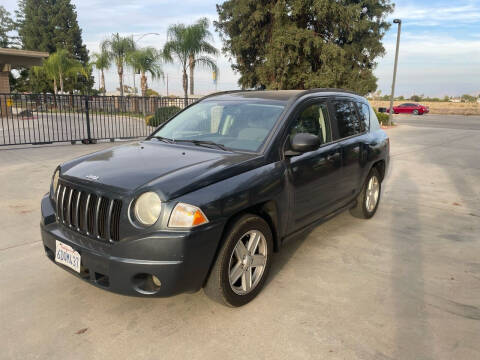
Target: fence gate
{"x":45,"y":118}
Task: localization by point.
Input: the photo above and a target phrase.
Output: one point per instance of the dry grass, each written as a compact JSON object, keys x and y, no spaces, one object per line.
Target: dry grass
{"x":437,"y":107}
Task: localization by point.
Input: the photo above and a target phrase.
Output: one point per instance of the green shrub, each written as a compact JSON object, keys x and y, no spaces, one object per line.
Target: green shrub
{"x":161,"y":115}
{"x":382,"y":118}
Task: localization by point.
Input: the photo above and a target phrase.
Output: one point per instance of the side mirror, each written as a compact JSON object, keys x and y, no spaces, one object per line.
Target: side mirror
{"x":304,"y":142}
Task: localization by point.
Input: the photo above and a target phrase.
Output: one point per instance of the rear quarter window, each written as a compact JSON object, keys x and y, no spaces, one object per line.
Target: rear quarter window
{"x":374,"y":125}
{"x":364,"y":113}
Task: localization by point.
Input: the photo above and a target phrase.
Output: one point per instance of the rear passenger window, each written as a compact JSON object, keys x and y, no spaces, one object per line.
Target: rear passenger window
{"x":364,"y":113}
{"x":347,"y":120}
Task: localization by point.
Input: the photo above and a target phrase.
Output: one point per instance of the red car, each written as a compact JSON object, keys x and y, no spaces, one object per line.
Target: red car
{"x":410,"y":108}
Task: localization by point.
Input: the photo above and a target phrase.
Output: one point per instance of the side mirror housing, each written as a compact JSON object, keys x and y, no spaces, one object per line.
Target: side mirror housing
{"x":303,"y":142}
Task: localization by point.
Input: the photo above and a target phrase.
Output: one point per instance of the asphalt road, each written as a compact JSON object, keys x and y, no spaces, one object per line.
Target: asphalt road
{"x":463,"y":122}
{"x":403,"y":285}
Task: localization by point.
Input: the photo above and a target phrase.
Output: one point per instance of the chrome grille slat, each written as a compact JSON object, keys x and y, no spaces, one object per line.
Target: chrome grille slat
{"x":115,"y":223}
{"x":62,"y":209}
{"x":108,"y":233}
{"x":88,"y":213}
{"x":57,"y":202}
{"x":97,"y":213}
{"x":69,"y":204}
{"x":77,"y":210}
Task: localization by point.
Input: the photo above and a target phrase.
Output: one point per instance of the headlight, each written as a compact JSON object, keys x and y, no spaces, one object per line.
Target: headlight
{"x":55,"y":177}
{"x":147,"y":208}
{"x":186,"y":216}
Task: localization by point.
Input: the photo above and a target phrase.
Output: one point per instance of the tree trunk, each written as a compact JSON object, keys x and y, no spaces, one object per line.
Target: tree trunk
{"x":102,"y":82}
{"x":143,"y":84}
{"x":120,"y":78}
{"x":55,"y":86}
{"x":191,"y":60}
{"x":61,"y":83}
{"x":185,"y":83}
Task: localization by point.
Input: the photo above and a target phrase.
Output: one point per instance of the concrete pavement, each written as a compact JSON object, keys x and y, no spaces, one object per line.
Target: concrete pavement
{"x":403,"y":285}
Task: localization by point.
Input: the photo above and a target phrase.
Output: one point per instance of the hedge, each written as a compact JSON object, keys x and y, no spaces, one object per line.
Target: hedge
{"x":161,"y":115}
{"x":382,"y":118}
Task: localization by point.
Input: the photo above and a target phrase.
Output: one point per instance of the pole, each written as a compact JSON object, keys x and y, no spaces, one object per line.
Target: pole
{"x":399,"y":22}
{"x":134,"y":82}
{"x":87,"y":114}
{"x":167,"y":84}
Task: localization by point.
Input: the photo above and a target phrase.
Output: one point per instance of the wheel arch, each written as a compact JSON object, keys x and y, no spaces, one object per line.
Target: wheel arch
{"x":380,"y":166}
{"x":267,"y":210}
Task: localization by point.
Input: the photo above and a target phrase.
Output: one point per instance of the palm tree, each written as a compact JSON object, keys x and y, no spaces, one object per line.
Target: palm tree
{"x":147,"y":60}
{"x":182,"y":43}
{"x":64,"y":64}
{"x":49,"y":69}
{"x":118,"y":48}
{"x":102,"y":62}
{"x":199,"y":35}
{"x":59,"y":66}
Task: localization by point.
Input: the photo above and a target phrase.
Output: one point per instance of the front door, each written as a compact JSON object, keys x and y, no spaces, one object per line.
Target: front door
{"x":314,"y":176}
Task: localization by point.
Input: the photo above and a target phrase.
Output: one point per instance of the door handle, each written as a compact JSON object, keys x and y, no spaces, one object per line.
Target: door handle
{"x":333,"y":157}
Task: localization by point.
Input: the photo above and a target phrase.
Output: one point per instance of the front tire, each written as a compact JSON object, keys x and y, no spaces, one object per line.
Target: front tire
{"x":243,"y":262}
{"x":415,"y":112}
{"x":369,"y":198}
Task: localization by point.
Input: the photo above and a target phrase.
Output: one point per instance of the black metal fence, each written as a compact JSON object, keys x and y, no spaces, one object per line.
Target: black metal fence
{"x":48,"y":118}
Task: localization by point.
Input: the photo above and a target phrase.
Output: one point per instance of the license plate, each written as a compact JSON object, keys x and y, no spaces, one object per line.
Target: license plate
{"x":65,"y":255}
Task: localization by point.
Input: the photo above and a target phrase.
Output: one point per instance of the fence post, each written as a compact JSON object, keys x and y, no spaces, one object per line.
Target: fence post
{"x":89,"y":135}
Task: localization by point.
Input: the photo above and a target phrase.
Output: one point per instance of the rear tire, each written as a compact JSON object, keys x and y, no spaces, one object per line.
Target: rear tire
{"x":415,"y":112}
{"x":369,"y":198}
{"x":243,"y":262}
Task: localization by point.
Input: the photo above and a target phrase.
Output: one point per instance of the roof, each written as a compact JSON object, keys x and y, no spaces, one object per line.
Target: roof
{"x":278,"y":95}
{"x":21,"y":57}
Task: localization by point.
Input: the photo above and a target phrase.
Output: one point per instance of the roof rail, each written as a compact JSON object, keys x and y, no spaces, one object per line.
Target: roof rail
{"x":331,"y":90}
{"x":301,"y":93}
{"x":222,"y":93}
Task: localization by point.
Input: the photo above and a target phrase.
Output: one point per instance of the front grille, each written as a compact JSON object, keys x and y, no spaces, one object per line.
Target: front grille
{"x":88,"y":213}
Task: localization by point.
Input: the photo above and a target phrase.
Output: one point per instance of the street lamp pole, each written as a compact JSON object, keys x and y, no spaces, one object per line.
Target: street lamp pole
{"x":399,"y":22}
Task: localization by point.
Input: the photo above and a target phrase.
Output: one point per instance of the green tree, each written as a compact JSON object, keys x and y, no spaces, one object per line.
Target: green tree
{"x":151,"y":92}
{"x":468,"y":98}
{"x":299,"y":44}
{"x":7,"y":25}
{"x":102,"y":62}
{"x":119,"y":48}
{"x":183,"y":44}
{"x":147,"y":60}
{"x":51,"y":25}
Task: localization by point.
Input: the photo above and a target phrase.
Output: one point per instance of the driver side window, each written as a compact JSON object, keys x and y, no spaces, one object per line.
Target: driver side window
{"x":314,"y":120}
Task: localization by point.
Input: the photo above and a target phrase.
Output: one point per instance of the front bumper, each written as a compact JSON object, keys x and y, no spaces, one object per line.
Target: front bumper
{"x":180,"y":260}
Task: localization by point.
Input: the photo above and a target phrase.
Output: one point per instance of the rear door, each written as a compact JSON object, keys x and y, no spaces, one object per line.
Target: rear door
{"x":314,"y":175}
{"x":351,"y":133}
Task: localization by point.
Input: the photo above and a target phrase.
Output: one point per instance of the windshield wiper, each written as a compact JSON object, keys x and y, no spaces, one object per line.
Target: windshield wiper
{"x":161,"y":138}
{"x":205,"y":143}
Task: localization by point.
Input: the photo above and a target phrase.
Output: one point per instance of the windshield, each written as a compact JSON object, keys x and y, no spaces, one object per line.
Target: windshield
{"x":240,"y":125}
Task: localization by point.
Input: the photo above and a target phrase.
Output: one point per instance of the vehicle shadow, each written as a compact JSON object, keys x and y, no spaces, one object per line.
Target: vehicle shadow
{"x":286,"y":252}
{"x":413,"y":336}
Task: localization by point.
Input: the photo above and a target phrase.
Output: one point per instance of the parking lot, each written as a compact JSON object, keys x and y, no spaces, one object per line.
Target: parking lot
{"x":403,"y":285}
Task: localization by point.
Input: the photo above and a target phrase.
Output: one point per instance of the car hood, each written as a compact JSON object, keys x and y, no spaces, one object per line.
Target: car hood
{"x":169,"y":169}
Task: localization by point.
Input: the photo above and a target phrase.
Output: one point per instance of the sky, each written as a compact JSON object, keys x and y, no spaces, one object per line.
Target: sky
{"x":439,"y":47}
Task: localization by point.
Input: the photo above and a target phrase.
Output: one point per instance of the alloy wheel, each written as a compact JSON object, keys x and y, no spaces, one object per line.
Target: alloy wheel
{"x":372,"y":193}
{"x":247,"y":262}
